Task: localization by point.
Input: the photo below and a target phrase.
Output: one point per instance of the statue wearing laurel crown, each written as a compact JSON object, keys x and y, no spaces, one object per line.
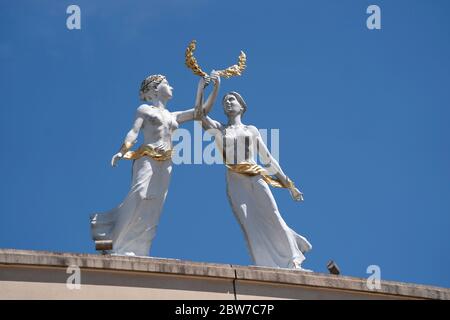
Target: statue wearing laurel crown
{"x":130,"y":228}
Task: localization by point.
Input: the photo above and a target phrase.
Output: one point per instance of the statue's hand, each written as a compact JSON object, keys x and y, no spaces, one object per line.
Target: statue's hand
{"x":204,"y":81}
{"x":215,"y":77}
{"x":116,"y":158}
{"x":160,"y":148}
{"x":296,"y":194}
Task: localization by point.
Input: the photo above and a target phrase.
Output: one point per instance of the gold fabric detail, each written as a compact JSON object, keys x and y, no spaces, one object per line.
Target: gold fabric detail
{"x":148,"y":151}
{"x":251,"y":169}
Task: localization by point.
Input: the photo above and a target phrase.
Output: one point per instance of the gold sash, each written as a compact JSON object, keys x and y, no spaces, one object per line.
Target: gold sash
{"x":251,"y":169}
{"x":148,"y":151}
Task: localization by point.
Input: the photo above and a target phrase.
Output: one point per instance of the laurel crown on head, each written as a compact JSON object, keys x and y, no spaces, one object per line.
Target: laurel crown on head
{"x":150,"y":84}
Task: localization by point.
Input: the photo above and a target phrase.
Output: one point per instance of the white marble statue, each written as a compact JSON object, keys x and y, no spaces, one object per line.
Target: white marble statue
{"x":270,"y":240}
{"x":132,"y":225}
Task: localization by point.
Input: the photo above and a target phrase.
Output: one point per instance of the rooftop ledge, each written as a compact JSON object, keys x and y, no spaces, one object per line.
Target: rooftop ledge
{"x":26,"y":274}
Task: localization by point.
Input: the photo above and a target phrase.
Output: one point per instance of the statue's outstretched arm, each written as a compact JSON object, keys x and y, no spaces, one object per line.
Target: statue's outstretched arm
{"x":183,"y":116}
{"x":207,"y":106}
{"x":130,"y":139}
{"x":195,"y":113}
{"x":187,"y":115}
{"x":273,"y":167}
{"x":203,"y":109}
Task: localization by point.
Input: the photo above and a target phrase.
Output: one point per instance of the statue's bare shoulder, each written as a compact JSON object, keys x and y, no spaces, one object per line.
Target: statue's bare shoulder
{"x":144,"y":109}
{"x":254,"y":130}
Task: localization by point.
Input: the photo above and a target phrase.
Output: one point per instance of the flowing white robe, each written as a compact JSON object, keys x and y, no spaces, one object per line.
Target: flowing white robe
{"x":270,"y":240}
{"x":132,"y":225}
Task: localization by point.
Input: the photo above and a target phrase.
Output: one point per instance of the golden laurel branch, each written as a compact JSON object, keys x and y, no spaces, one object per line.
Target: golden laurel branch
{"x":234,"y":70}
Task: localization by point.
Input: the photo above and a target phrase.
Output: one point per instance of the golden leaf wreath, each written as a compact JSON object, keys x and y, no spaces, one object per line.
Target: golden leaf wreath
{"x":234,"y":70}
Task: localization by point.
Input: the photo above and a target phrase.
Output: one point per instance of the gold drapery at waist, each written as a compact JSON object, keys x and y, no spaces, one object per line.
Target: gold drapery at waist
{"x":252,"y":169}
{"x":149,"y":151}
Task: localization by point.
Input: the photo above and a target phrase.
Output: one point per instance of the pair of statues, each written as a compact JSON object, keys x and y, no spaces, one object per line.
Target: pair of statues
{"x":132,"y":225}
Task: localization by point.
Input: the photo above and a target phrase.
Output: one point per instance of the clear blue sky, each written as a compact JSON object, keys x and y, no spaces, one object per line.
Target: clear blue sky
{"x":363,"y":118}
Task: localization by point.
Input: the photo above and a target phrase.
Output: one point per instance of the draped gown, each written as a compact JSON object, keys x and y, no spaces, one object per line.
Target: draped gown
{"x":270,"y":240}
{"x":132,"y":225}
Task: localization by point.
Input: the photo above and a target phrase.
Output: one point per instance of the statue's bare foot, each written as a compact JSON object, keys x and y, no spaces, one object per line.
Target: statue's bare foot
{"x":297,"y":266}
{"x":302,"y":269}
{"x":129,"y":254}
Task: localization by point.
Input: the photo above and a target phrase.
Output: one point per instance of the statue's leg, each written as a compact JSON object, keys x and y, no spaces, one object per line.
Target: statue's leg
{"x":271,"y":242}
{"x":151,"y":183}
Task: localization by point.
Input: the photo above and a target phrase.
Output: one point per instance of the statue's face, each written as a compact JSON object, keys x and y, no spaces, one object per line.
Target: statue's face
{"x":231,"y":105}
{"x":164,"y":90}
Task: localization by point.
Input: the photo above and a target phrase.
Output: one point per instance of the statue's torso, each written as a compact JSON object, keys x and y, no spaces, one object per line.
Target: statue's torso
{"x":238,"y":145}
{"x":158,"y":126}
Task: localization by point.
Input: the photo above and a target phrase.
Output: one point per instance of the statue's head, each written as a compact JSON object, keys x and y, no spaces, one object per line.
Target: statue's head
{"x":233,"y":104}
{"x":155,"y":86}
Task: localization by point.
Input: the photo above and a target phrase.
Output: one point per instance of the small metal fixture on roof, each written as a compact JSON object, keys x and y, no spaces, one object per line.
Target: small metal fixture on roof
{"x":333,"y":267}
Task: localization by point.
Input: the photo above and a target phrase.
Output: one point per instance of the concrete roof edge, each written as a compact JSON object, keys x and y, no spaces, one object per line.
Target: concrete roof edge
{"x":225,"y":271}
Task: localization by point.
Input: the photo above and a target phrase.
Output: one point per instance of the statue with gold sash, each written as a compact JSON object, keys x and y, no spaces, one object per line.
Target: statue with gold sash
{"x":270,"y":240}
{"x":130,"y":228}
